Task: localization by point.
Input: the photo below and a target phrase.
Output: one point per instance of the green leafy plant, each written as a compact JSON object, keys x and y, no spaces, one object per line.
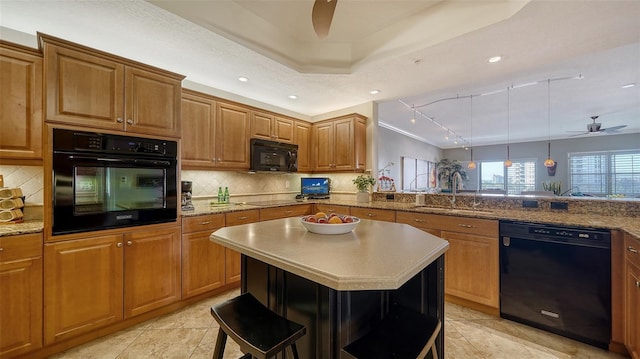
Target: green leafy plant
{"x":363,"y":182}
{"x":447,"y":168}
{"x":555,"y":187}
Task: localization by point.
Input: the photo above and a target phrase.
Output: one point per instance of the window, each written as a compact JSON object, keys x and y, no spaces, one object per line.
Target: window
{"x":605,"y":173}
{"x":521,"y":176}
{"x":418,"y":174}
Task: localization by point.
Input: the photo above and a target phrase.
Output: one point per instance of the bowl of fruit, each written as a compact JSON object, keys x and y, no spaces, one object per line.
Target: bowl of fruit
{"x":322,"y":223}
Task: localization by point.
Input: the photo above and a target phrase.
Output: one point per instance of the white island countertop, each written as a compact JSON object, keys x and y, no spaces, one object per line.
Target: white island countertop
{"x":376,"y":255}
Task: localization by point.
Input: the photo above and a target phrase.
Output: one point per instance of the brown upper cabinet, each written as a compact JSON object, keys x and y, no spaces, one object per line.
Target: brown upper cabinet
{"x":302,"y":138}
{"x":340,"y":144}
{"x":89,"y":88}
{"x":215,"y":133}
{"x":20,"y":102}
{"x":271,"y":127}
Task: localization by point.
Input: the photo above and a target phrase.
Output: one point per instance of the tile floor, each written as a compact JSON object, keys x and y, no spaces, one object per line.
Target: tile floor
{"x":191,"y":332}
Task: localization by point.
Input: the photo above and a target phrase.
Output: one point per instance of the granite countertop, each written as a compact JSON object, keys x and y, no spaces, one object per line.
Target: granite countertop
{"x":375,"y":255}
{"x":25,"y":227}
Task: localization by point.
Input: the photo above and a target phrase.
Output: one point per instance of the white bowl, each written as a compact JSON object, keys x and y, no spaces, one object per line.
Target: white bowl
{"x":330,"y":228}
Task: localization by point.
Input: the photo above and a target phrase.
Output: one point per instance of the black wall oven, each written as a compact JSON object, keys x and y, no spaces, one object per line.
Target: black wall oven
{"x":105,"y":181}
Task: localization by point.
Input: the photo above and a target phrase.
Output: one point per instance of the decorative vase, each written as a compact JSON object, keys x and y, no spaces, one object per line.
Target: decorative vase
{"x":362,"y":197}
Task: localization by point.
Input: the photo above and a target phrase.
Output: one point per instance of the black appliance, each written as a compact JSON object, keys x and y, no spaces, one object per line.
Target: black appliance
{"x":558,"y":279}
{"x":105,"y":181}
{"x":273,"y":156}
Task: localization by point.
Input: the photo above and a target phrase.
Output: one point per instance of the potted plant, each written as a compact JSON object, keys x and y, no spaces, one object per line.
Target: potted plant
{"x":446,"y":169}
{"x":363,"y":183}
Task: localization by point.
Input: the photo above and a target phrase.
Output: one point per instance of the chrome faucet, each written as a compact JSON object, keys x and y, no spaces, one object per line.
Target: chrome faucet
{"x":455,"y":179}
{"x":415,"y":179}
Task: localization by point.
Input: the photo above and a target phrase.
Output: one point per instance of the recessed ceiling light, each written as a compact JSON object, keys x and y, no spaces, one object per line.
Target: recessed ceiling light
{"x":494,"y":59}
{"x":628,"y":85}
{"x":374,"y":92}
{"x":412,"y":120}
{"x":243,"y":79}
{"x":293,"y":97}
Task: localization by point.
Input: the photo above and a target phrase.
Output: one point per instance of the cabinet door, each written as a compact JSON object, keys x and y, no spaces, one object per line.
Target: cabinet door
{"x":323,"y":146}
{"x":20,"y":294}
{"x":20,"y":104}
{"x":283,"y":129}
{"x":632,"y":310}
{"x":82,"y":89}
{"x":344,"y":155}
{"x":302,"y":138}
{"x":425,"y":222}
{"x":377,"y":214}
{"x":202,"y":260}
{"x":151,"y":270}
{"x":261,"y":125}
{"x":152,"y":103}
{"x":332,"y":208}
{"x":360,"y":143}
{"x":198,"y":119}
{"x":232,"y":136}
{"x":82,"y":286}
{"x":471,"y":267}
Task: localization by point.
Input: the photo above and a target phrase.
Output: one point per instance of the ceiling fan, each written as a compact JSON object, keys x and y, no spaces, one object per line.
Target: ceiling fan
{"x":321,"y":16}
{"x":596,"y":128}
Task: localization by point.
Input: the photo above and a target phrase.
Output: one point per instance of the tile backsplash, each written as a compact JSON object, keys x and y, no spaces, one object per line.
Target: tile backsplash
{"x":30,"y":179}
{"x":258,"y":186}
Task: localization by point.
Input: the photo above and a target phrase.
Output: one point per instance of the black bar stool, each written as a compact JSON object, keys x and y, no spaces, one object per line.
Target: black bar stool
{"x":258,"y":331}
{"x":403,"y":333}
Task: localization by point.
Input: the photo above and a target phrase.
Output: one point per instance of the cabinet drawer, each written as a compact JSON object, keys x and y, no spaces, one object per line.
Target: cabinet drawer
{"x":377,"y":214}
{"x":242,"y":217}
{"x":423,"y":221}
{"x":202,"y":223}
{"x":332,"y":208}
{"x":20,"y":246}
{"x":481,"y":227}
{"x":632,"y":249}
{"x":284,"y":212}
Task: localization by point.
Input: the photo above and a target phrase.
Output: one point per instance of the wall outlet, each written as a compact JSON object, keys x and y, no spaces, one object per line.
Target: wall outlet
{"x":560,"y":205}
{"x":286,"y":183}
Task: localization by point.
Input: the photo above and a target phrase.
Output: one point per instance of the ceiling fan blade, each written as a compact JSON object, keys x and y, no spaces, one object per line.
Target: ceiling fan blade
{"x":321,"y":16}
{"x":614,"y":128}
{"x":579,"y":134}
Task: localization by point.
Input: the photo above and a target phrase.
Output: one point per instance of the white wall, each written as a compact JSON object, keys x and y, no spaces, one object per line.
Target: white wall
{"x":392,"y":146}
{"x":538,"y":150}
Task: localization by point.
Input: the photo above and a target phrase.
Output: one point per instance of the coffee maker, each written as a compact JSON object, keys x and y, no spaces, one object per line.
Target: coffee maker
{"x":187,"y":204}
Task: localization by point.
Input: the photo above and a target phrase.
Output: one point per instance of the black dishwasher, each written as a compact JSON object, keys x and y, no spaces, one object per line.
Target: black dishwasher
{"x":558,"y":279}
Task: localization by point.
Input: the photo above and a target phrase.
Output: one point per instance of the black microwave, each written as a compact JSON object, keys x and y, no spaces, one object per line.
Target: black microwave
{"x":273,"y":156}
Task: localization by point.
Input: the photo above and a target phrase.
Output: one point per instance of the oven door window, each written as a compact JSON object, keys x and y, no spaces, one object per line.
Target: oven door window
{"x":112,"y":189}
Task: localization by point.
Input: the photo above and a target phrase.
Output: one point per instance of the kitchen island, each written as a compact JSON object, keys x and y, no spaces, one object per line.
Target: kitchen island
{"x":339,"y":286}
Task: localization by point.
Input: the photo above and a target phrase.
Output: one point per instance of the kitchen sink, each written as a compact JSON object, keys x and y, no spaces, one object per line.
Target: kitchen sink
{"x":452,"y":210}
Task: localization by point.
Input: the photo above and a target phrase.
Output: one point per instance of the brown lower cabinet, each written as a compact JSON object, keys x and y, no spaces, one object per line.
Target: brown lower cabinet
{"x":232,"y":258}
{"x":102,"y":279}
{"x":203,"y":262}
{"x":632,"y":296}
{"x":20,"y":294}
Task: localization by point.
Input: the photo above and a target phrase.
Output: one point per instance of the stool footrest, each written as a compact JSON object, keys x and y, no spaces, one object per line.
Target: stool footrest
{"x":255,"y":328}
{"x":403,"y":333}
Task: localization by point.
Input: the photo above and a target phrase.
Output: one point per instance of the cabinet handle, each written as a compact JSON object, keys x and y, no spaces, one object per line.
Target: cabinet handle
{"x":129,"y":243}
{"x":288,"y":211}
{"x":130,"y":121}
{"x":371,"y":215}
{"x":244,"y":217}
{"x":119,"y":244}
{"x":465,"y":225}
{"x":638,"y":283}
{"x":205,"y":223}
{"x":632,"y":250}
{"x":419,"y":220}
{"x":1,"y":249}
{"x":119,"y":120}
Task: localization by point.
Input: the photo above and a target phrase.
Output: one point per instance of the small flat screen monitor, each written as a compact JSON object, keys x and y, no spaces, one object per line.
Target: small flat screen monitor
{"x":314,"y":187}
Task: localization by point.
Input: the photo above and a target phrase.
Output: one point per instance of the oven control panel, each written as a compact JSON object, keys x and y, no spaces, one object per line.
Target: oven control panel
{"x":76,"y":141}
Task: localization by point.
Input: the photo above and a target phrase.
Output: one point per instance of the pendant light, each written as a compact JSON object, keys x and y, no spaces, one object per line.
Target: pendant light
{"x":549,"y":162}
{"x":471,"y":165}
{"x":507,"y":162}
